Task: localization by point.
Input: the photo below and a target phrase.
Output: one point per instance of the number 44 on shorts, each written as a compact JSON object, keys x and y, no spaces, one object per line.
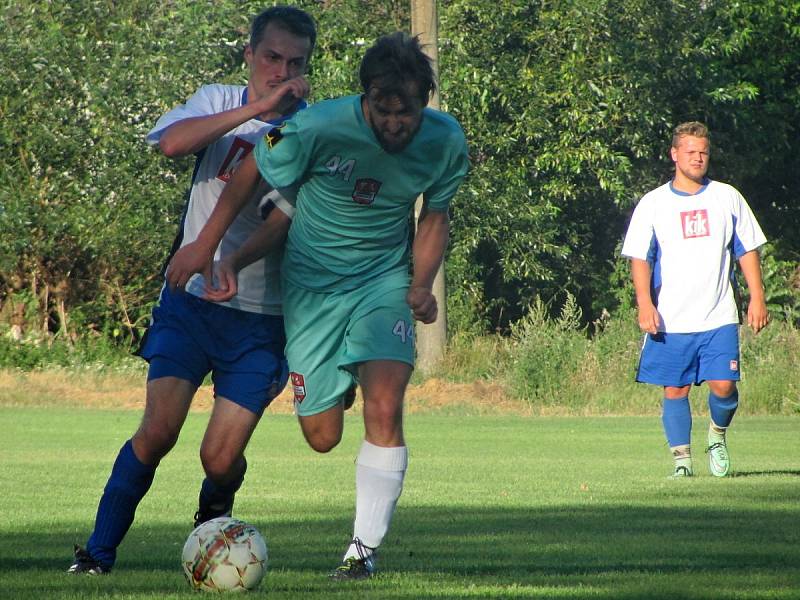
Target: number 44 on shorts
{"x":403,"y":330}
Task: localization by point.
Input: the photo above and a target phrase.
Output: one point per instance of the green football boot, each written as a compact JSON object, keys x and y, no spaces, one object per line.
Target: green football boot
{"x":683,"y":468}
{"x":354,"y":568}
{"x":719,"y":461}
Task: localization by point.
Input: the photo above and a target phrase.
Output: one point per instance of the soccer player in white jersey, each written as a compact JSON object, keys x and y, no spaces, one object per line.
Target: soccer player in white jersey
{"x":682,"y":241}
{"x":240,"y":342}
{"x":355,"y":167}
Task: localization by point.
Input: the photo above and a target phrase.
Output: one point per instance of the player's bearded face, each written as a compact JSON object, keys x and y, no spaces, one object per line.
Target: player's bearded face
{"x":394,"y":120}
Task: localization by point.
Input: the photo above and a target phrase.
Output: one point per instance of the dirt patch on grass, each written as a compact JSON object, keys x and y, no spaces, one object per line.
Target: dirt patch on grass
{"x":125,"y":390}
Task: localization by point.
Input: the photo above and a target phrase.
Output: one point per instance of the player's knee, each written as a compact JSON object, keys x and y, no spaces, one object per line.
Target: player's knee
{"x":722,"y":389}
{"x":323,"y":443}
{"x":217,"y":467}
{"x":154,"y":441}
{"x":323,"y":431}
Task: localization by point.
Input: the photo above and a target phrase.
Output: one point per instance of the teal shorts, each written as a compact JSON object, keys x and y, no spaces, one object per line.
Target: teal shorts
{"x":330,"y":333}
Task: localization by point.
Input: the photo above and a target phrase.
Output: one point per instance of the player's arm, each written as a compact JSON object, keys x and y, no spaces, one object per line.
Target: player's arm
{"x":192,"y":134}
{"x":648,"y":314}
{"x":270,"y":236}
{"x":430,"y":243}
{"x":757,"y":314}
{"x":197,"y":256}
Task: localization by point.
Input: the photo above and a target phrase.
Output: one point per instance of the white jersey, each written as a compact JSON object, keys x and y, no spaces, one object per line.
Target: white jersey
{"x":690,"y":241}
{"x":259,"y":283}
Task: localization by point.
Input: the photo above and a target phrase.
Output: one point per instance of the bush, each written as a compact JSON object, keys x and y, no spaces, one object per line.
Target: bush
{"x":556,"y":365}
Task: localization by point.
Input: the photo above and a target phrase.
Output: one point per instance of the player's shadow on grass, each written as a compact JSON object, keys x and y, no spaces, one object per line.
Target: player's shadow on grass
{"x":796,"y":473}
{"x":463,"y":545}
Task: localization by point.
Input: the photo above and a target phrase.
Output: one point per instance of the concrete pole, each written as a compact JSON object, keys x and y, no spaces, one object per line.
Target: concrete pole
{"x":431,"y":339}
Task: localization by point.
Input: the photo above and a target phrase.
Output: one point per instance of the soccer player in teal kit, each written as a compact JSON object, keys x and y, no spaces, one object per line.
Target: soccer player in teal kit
{"x":353,"y":167}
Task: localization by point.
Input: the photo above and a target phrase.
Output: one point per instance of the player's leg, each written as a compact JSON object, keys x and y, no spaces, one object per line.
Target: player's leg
{"x":249,"y":370}
{"x":177,"y":367}
{"x":719,"y":366}
{"x":381,"y":342}
{"x":222,"y":455}
{"x":380,"y":466}
{"x":167,"y":402}
{"x":676,"y":417}
{"x":670,"y":360}
{"x":316,"y":327}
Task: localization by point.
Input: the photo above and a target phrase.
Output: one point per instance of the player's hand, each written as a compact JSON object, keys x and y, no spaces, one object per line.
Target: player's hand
{"x":285,"y":96}
{"x":423,"y":304}
{"x":192,"y":258}
{"x":757,"y":315}
{"x":648,"y":318}
{"x":224,"y":284}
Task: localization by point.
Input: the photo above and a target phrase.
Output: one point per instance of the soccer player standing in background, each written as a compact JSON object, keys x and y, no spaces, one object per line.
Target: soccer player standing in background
{"x":240,"y":342}
{"x":354,"y":166}
{"x":682,"y":241}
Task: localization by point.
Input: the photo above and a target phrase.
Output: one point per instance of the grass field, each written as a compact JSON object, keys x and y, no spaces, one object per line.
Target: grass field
{"x":493,"y":507}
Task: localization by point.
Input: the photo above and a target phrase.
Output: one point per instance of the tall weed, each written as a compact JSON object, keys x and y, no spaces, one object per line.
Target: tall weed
{"x":547,"y":352}
{"x":556,"y":366}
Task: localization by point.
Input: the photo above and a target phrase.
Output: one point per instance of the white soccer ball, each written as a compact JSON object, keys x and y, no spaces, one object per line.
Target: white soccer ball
{"x":224,"y":555}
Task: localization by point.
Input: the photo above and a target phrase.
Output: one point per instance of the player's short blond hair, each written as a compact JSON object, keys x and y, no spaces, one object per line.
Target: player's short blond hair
{"x":690,"y":128}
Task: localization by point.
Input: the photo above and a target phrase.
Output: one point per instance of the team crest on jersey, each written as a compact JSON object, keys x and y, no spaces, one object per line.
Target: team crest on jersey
{"x":298,"y":386}
{"x":734,"y":365}
{"x":274,"y":135}
{"x":239,"y":149}
{"x":365,"y":190}
{"x":695,"y":224}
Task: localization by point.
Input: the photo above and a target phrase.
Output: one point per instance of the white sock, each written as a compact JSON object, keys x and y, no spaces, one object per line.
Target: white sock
{"x":716,"y":433}
{"x":379,"y":482}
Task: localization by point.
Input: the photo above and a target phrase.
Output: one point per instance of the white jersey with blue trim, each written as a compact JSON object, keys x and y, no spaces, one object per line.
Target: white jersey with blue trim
{"x":691,"y":242}
{"x":259,"y":283}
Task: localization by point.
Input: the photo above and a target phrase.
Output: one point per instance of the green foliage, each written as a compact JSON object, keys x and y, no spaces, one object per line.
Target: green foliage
{"x":546,"y":352}
{"x":567,"y":106}
{"x":556,"y":365}
{"x":782,"y":287}
{"x":471,"y":358}
{"x":39,"y":351}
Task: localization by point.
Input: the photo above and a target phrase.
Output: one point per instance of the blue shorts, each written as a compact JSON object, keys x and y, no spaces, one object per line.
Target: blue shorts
{"x":189,"y":337}
{"x":680,"y":359}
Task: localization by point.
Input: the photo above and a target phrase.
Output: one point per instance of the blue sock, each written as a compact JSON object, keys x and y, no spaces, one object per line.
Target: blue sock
{"x":213,"y":494}
{"x":128,"y":483}
{"x":677,"y":418}
{"x":723,"y":409}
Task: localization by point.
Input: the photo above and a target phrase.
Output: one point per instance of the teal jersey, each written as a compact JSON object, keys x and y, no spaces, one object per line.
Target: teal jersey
{"x":353,"y":198}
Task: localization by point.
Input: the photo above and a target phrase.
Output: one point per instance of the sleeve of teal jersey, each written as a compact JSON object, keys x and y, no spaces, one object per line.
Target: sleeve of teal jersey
{"x":283,"y":154}
{"x":438,"y":196}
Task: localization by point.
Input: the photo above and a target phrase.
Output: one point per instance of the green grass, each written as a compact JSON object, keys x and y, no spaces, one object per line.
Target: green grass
{"x":493,"y":507}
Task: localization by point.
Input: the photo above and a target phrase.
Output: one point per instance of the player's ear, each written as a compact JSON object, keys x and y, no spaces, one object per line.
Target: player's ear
{"x":248,"y":54}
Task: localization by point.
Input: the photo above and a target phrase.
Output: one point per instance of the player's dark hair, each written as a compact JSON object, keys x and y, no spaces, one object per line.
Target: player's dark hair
{"x":394,"y":61}
{"x":289,"y":18}
{"x":690,"y":128}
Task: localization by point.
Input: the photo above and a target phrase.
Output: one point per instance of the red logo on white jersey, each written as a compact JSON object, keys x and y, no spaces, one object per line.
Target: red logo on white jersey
{"x":236,"y":154}
{"x":695,"y":224}
{"x":299,"y":386}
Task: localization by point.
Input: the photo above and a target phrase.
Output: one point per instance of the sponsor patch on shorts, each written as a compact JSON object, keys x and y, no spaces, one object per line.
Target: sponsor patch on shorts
{"x":298,"y":386}
{"x":734,"y":365}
